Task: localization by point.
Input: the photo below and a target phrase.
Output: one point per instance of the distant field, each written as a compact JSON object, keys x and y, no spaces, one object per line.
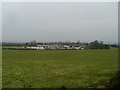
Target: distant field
{"x":57,"y":68}
{"x":5,"y":47}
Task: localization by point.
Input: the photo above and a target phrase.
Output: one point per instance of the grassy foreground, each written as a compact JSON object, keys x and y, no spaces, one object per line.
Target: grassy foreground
{"x":57,"y":68}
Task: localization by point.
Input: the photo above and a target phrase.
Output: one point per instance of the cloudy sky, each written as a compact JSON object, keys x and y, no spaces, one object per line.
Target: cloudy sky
{"x":60,"y":21}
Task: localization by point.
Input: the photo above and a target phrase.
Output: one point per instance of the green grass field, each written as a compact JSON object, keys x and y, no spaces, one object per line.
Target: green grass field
{"x":57,"y":68}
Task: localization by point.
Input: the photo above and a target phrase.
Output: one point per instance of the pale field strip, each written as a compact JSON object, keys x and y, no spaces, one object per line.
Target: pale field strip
{"x":60,"y":0}
{"x":0,"y":67}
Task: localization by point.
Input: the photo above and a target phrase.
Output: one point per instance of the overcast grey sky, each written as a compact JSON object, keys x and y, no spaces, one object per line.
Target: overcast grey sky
{"x":50,"y":21}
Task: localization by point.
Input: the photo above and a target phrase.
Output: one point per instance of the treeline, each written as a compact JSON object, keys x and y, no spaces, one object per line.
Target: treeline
{"x":12,"y":44}
{"x":91,"y":45}
{"x":98,"y":45}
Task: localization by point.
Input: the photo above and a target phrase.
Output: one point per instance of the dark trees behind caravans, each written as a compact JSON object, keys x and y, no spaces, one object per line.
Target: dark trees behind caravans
{"x":98,"y":45}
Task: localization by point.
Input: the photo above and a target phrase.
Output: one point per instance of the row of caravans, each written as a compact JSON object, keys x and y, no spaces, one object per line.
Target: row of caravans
{"x":55,"y":47}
